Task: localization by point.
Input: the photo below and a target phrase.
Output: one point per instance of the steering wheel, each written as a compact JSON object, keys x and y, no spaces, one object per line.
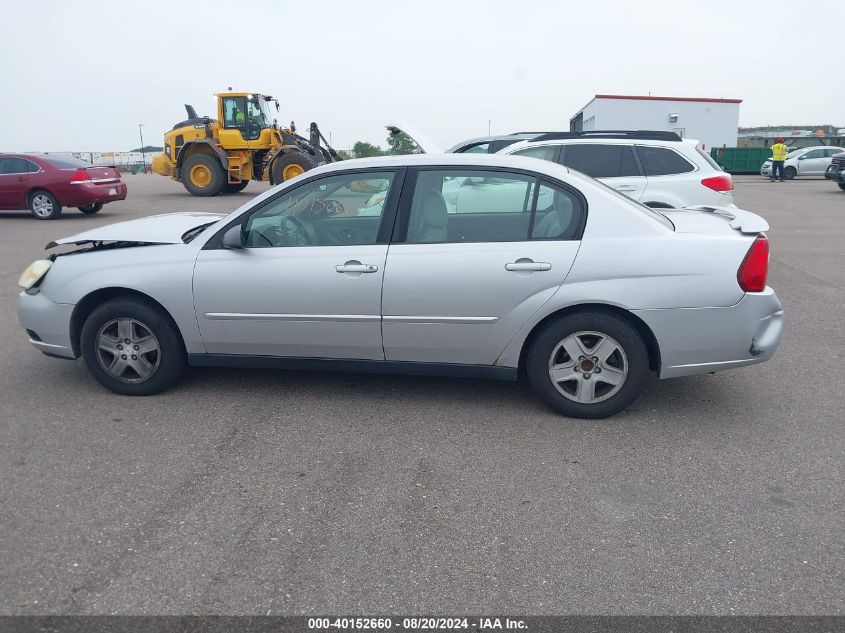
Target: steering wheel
{"x":293,"y":231}
{"x":334,"y":207}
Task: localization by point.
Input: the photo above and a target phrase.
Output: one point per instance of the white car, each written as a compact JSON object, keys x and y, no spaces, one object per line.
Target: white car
{"x":806,"y":161}
{"x":658,"y":169}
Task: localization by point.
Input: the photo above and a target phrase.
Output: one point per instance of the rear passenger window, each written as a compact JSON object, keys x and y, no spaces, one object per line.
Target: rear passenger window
{"x":13,"y":165}
{"x":601,"y":161}
{"x":489,"y":206}
{"x":558,"y":214}
{"x":543,"y":152}
{"x":659,"y":161}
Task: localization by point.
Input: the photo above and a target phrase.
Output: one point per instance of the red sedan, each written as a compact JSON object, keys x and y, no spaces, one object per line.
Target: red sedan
{"x":44,"y":183}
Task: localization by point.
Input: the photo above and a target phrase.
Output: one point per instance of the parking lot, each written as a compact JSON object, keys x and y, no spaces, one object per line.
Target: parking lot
{"x":256,"y":492}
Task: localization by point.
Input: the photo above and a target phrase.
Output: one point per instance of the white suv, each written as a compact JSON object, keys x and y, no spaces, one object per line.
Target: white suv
{"x":658,"y":169}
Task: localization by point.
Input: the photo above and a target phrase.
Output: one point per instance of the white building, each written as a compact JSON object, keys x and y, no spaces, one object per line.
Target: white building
{"x":713,"y":122}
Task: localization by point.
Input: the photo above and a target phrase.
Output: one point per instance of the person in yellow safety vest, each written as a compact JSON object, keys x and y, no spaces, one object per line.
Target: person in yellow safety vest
{"x":778,"y":156}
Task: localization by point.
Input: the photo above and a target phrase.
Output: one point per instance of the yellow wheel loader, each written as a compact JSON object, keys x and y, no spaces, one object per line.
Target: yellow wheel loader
{"x":211,"y":156}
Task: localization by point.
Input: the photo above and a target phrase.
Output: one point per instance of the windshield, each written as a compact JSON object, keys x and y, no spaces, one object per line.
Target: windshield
{"x":259,"y":111}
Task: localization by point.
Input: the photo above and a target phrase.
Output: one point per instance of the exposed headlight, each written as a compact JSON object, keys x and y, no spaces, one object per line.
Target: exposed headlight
{"x":34,"y":273}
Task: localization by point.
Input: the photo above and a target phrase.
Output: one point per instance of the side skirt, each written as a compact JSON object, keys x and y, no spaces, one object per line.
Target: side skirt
{"x":489,"y":372}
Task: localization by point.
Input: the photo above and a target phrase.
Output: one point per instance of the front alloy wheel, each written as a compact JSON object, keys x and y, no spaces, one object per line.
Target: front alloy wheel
{"x":132,"y":347}
{"x":128,"y":350}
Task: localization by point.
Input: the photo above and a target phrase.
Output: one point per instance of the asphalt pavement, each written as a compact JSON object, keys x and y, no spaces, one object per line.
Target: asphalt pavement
{"x":256,"y":492}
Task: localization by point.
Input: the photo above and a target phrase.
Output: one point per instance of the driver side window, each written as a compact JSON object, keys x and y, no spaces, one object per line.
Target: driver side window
{"x":332,"y":211}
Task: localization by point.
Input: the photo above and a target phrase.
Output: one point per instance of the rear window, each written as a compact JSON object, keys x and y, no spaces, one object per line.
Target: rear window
{"x":633,"y":204}
{"x":659,"y":161}
{"x":66,"y":162}
{"x":543,"y":152}
{"x":707,"y":157}
{"x":601,"y":161}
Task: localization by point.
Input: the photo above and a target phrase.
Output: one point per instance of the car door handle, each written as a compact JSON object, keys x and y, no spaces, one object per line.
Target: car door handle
{"x":527,"y":265}
{"x":625,"y":188}
{"x":356,"y":267}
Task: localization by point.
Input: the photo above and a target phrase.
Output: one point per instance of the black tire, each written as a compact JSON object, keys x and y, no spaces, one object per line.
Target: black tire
{"x":216,"y":175}
{"x":790,"y":172}
{"x":169,"y":360}
{"x":841,"y":185}
{"x":43,"y":205}
{"x":634,"y":359}
{"x":235,"y":187}
{"x":90,"y":209}
{"x":294,"y":159}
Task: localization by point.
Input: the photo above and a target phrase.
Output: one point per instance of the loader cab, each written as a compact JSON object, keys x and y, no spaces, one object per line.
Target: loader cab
{"x":244,"y":117}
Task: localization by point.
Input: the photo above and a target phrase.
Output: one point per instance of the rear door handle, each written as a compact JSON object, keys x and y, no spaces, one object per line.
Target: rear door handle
{"x":354,"y":266}
{"x":625,"y":188}
{"x":527,"y":265}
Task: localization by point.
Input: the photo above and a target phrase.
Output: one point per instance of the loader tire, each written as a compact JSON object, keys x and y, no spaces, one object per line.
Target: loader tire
{"x":291,"y":165}
{"x":235,"y":187}
{"x":203,"y":175}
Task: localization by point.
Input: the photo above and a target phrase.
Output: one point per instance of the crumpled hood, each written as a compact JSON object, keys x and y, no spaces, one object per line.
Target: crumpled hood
{"x":167,"y":228}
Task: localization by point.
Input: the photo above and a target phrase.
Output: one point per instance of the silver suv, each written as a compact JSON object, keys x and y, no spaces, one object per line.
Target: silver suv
{"x":659,"y":169}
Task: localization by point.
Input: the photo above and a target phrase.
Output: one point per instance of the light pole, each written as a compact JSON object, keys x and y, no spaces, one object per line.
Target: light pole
{"x":489,"y":125}
{"x":143,"y":154}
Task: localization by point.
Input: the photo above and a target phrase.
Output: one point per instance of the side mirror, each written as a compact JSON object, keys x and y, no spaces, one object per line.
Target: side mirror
{"x":233,"y":238}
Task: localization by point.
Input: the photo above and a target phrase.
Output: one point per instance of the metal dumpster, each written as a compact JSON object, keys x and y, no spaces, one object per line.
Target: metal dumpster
{"x":741,"y":160}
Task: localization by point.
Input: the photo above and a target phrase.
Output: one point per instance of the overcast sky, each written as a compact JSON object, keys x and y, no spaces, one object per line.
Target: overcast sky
{"x":80,"y":76}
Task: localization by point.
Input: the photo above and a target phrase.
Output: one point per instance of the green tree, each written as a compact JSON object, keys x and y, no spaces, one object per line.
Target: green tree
{"x":362,"y":149}
{"x":401,"y":143}
{"x":148,"y":149}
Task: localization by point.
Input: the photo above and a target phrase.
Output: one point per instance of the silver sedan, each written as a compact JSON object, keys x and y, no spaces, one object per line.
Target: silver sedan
{"x":464,"y":265}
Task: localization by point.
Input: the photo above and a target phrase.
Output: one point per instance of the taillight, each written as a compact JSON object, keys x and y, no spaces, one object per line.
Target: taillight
{"x":719,"y":183}
{"x":117,"y":173}
{"x":754,"y":269}
{"x":79,"y":176}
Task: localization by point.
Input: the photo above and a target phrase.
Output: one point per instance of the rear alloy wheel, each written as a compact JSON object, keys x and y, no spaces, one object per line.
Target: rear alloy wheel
{"x":132,"y":348}
{"x":90,"y":209}
{"x":790,"y":172}
{"x":44,"y":206}
{"x":588,"y":365}
{"x":203,"y":175}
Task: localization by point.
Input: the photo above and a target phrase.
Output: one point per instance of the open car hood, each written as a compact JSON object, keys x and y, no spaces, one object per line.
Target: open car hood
{"x":156,"y":229}
{"x":423,"y":142}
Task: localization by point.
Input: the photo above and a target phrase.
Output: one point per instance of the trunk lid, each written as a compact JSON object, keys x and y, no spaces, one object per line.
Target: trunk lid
{"x":103,"y":175}
{"x":714,"y":219}
{"x":157,"y":229}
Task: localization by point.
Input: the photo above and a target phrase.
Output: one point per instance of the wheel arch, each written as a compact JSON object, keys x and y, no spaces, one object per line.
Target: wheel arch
{"x":201,"y":146}
{"x":93,"y":299}
{"x":637,"y":323}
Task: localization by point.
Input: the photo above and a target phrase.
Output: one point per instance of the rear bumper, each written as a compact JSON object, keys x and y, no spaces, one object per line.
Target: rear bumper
{"x":47,"y":324}
{"x":89,"y":193}
{"x":703,"y":340}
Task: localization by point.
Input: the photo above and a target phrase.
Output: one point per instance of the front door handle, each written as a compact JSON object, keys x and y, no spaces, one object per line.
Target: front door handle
{"x":625,"y":188}
{"x":354,"y":266}
{"x":527,"y":265}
